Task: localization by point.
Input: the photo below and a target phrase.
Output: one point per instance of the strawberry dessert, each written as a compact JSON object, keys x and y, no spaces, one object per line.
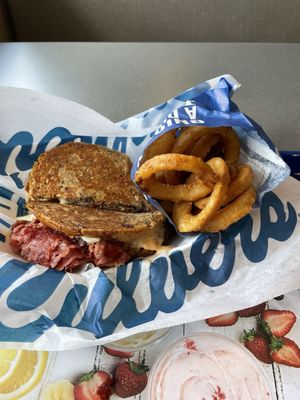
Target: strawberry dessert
{"x":207,"y":366}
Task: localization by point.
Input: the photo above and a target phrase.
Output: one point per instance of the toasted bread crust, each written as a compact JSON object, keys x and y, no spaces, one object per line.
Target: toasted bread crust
{"x":85,"y":174}
{"x":74,"y":220}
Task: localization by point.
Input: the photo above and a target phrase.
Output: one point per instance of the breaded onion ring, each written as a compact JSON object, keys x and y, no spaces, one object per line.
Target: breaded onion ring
{"x":203,"y":146}
{"x":184,"y":192}
{"x":236,"y":210}
{"x":200,"y":149}
{"x":232,"y":171}
{"x":236,"y":187}
{"x":183,"y":145}
{"x":230,"y":141}
{"x":161,"y":145}
{"x":231,"y":145}
{"x":177,"y":162}
{"x":182,"y":212}
{"x":187,"y":139}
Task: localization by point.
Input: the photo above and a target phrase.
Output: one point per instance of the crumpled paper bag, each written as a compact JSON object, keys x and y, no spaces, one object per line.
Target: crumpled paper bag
{"x":200,"y":276}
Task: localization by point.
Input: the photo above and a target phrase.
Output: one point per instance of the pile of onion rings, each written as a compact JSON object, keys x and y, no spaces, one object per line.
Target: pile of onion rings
{"x":197,"y":178}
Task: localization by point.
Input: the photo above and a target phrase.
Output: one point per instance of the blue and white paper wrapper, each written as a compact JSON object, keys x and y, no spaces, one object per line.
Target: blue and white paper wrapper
{"x":201,"y":276}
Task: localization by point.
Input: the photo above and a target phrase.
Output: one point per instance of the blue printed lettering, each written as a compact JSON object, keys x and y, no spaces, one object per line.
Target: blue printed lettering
{"x":191,"y":112}
{"x":186,"y":272}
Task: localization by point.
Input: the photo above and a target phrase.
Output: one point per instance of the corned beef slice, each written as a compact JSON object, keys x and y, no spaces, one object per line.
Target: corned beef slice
{"x":107,"y":253}
{"x":42,"y":245}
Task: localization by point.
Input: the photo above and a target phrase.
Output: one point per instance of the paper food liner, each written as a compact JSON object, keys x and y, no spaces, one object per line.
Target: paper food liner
{"x":202,"y":275}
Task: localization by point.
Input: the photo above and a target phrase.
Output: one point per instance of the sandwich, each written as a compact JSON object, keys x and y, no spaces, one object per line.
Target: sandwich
{"x":84,"y":208}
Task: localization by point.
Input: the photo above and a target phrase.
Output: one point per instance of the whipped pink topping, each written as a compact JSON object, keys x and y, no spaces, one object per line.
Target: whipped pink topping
{"x":208,"y":367}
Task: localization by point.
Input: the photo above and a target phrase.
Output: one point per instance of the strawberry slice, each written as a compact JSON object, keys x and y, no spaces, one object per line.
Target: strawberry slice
{"x":258,"y":345}
{"x":252,"y":311}
{"x":280,"y":322}
{"x":95,"y":385}
{"x":223,"y":319}
{"x":118,"y":353}
{"x":285,"y":351}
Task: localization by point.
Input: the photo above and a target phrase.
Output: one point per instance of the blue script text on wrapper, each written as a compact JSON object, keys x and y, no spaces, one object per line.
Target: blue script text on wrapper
{"x":201,"y":276}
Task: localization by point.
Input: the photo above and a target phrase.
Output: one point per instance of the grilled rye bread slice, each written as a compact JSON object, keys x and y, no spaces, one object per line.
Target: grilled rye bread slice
{"x":74,"y":220}
{"x":85,"y":174}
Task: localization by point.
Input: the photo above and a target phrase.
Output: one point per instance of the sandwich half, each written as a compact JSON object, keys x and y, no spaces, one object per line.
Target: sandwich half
{"x":85,"y":208}
{"x":85,"y":174}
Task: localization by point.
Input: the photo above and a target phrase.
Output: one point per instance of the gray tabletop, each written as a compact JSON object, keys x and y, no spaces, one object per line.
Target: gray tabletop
{"x":121,"y":79}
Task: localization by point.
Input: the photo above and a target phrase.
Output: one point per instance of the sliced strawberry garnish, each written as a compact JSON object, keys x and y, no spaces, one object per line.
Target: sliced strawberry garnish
{"x":104,"y":391}
{"x":118,"y":353}
{"x":279,"y":322}
{"x":285,"y":351}
{"x":93,"y":386}
{"x":252,"y":311}
{"x":223,"y":320}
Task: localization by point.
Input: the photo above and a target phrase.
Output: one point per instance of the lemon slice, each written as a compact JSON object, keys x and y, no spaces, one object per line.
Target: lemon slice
{"x":6,"y":358}
{"x":20,"y":372}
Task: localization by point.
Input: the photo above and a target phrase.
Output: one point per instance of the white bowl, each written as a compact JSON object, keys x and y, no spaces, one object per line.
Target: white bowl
{"x":207,"y":366}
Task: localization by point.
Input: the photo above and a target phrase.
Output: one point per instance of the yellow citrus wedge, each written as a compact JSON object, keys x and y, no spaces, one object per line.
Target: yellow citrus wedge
{"x":20,"y":372}
{"x":60,"y":390}
{"x":6,"y":359}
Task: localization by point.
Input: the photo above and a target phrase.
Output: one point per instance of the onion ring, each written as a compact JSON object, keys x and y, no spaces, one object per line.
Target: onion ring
{"x":230,"y":140}
{"x":182,"y":212}
{"x":160,"y":146}
{"x":188,"y":138}
{"x":200,"y":149}
{"x":203,"y":146}
{"x":231,"y":145}
{"x":183,"y":192}
{"x":177,"y":162}
{"x":192,"y":178}
{"x":236,"y":210}
{"x":232,"y":171}
{"x":236,"y":187}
